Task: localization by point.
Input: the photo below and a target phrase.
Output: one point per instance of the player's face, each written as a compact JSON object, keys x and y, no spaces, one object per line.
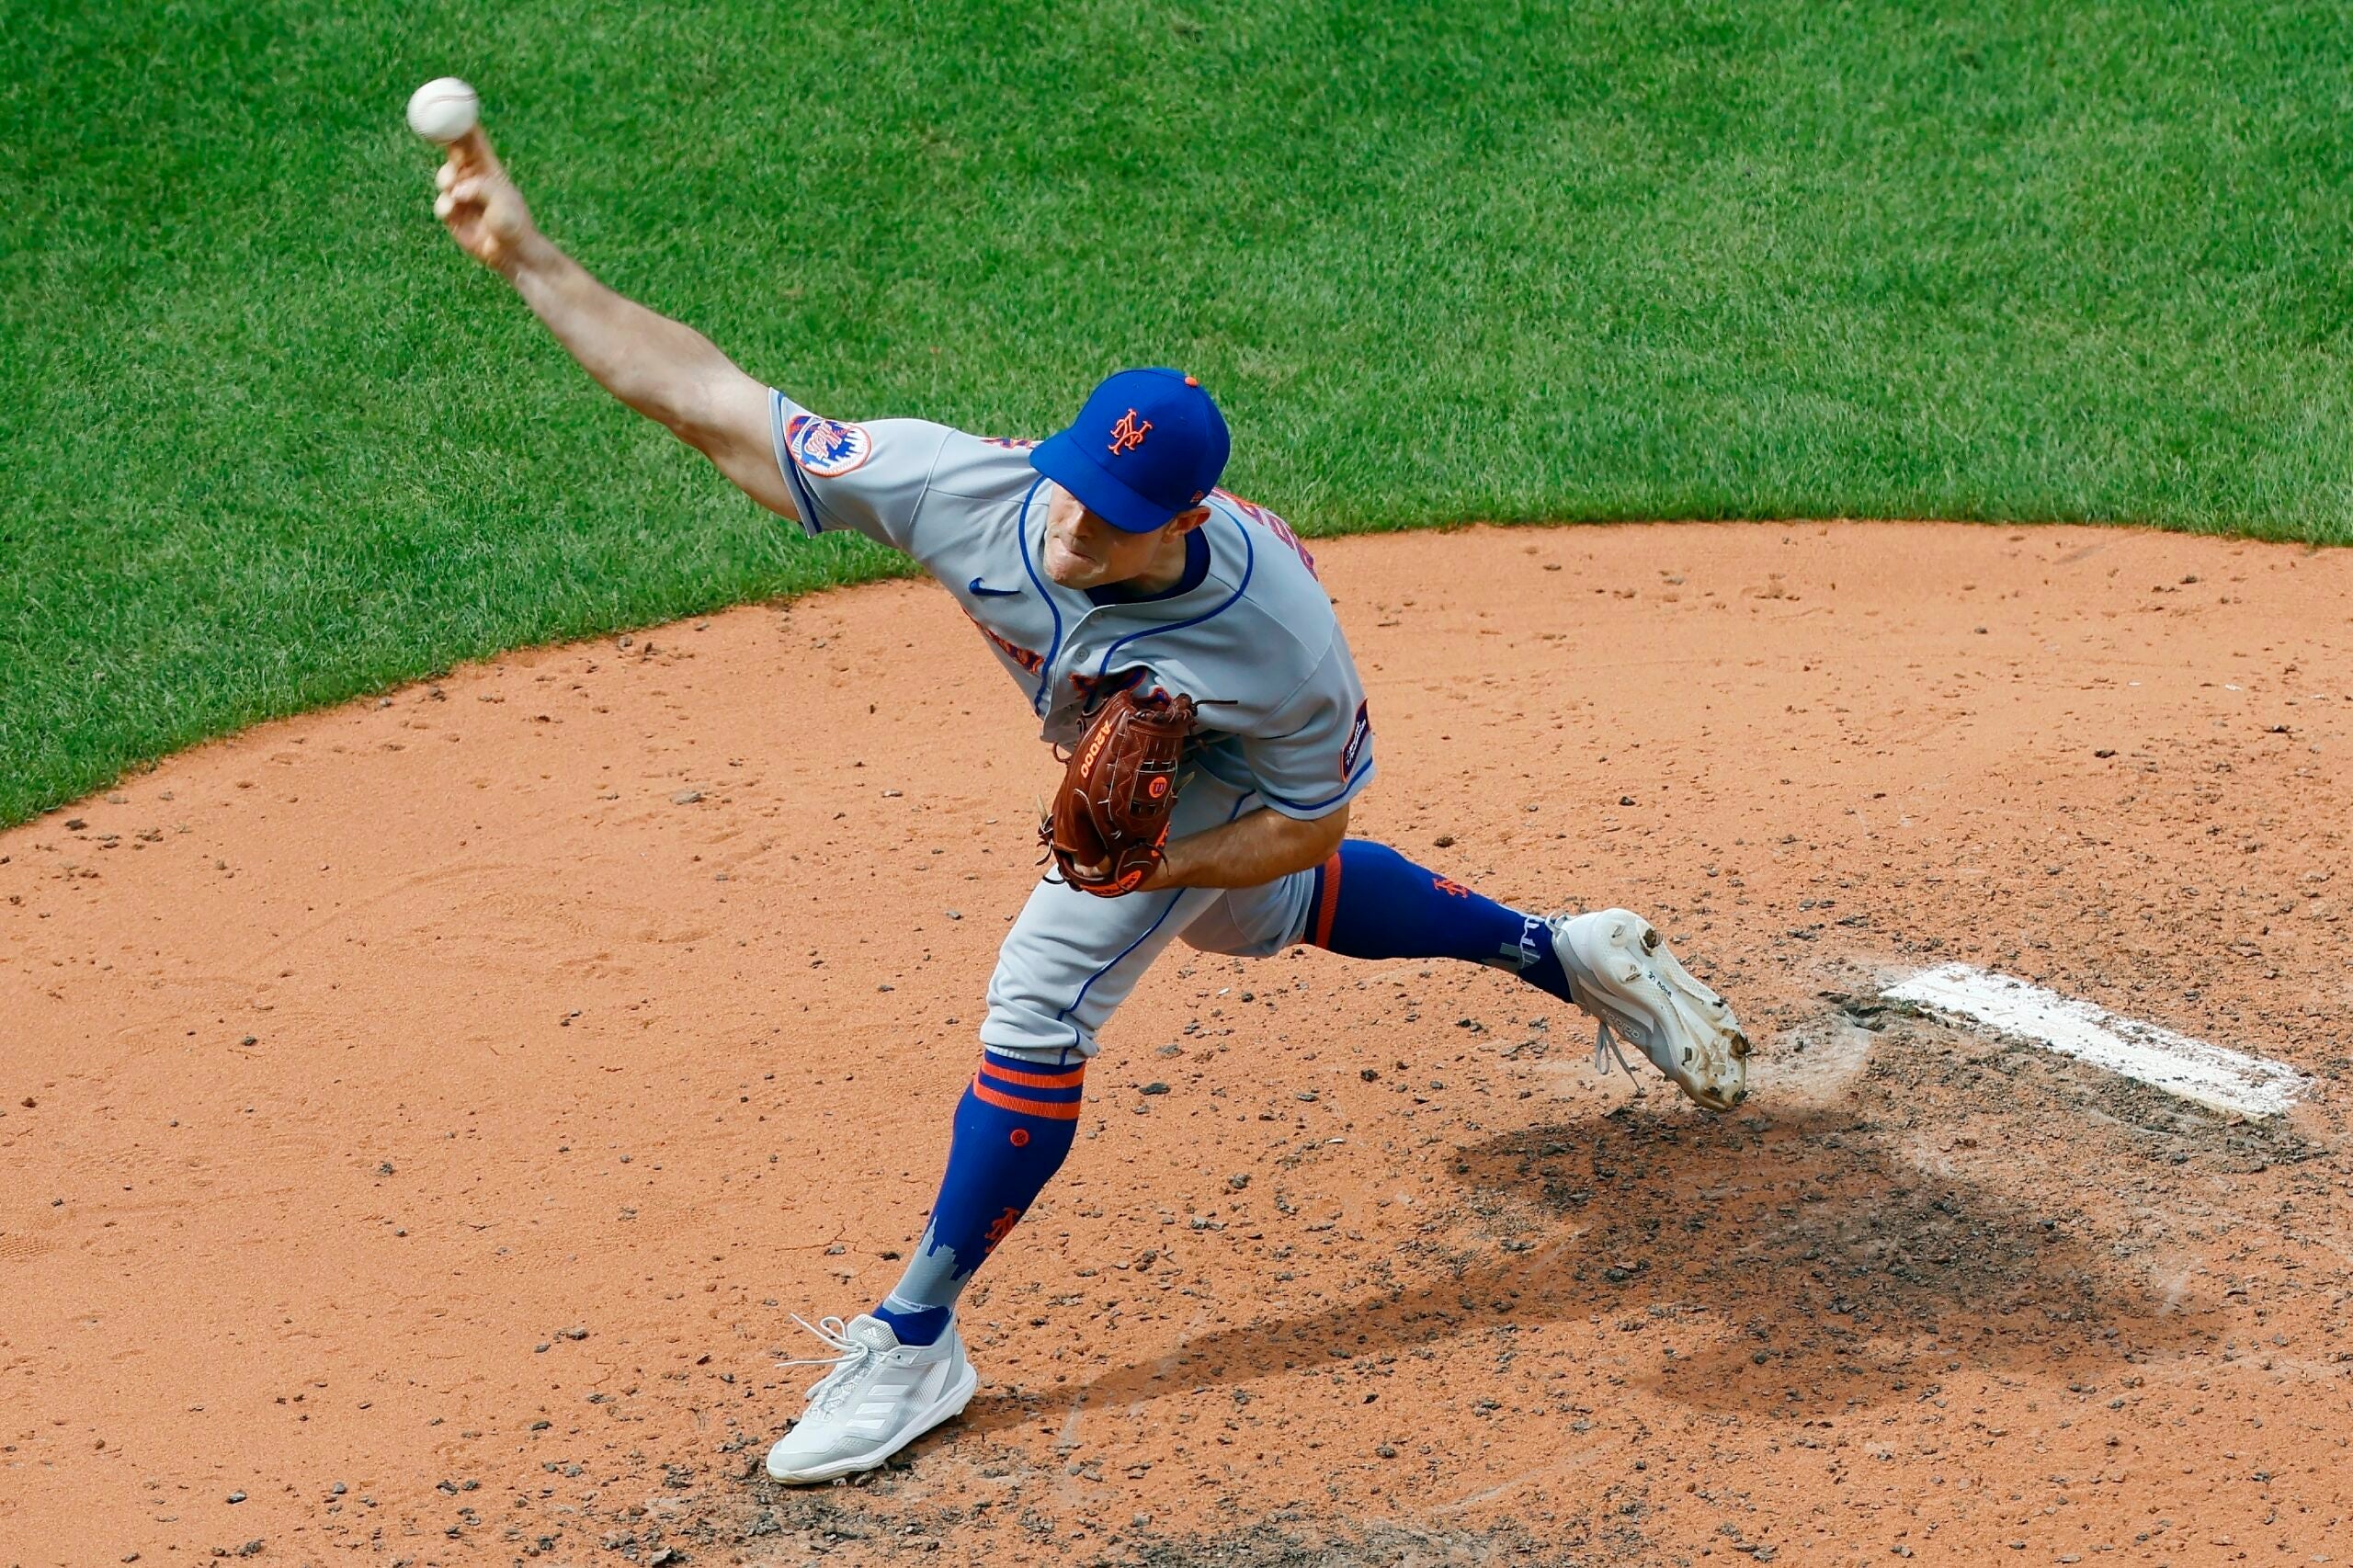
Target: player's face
{"x":1084,"y":551}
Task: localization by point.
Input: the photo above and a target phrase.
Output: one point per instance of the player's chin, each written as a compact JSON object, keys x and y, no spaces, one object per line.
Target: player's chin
{"x":1071,"y":571}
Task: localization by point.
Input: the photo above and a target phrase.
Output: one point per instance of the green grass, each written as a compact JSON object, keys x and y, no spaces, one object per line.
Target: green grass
{"x":268,"y":440}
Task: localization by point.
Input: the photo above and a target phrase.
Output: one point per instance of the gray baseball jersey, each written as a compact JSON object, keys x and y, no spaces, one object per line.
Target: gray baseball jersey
{"x":1247,"y":633}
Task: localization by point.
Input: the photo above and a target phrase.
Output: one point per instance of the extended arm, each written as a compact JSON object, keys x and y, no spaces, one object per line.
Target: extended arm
{"x":1249,"y":851}
{"x":663,"y":368}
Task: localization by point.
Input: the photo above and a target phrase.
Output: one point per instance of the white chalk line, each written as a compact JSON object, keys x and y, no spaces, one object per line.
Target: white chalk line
{"x":2210,"y":1075}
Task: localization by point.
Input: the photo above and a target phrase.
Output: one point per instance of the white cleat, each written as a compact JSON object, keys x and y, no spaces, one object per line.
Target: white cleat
{"x":1620,"y":972}
{"x":879,"y":1396}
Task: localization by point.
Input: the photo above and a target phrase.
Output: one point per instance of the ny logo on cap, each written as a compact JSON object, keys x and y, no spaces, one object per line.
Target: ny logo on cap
{"x":1128,"y":434}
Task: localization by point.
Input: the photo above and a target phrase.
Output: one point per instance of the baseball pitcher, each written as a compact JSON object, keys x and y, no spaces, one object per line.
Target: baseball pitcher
{"x":1175,"y":638}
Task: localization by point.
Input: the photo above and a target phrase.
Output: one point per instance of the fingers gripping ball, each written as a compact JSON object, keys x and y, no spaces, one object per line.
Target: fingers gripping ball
{"x":1108,"y":825}
{"x":443,"y":109}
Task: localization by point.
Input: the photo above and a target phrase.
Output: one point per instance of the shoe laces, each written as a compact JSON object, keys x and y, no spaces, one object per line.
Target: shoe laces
{"x":1605,"y":1046}
{"x":1604,"y":1043}
{"x":849,"y":1357}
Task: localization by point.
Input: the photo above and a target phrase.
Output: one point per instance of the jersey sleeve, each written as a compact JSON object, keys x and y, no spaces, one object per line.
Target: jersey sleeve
{"x":871,"y":479}
{"x":1313,"y":754}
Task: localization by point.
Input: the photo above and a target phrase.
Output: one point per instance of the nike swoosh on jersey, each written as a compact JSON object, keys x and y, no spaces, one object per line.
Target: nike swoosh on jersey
{"x":977,"y":591}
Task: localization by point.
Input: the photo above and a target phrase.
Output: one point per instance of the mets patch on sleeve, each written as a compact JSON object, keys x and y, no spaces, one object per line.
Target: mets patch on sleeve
{"x":828,"y":448}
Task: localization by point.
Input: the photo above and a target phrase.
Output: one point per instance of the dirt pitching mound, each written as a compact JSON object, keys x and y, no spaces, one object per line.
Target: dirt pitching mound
{"x":419,"y":1119}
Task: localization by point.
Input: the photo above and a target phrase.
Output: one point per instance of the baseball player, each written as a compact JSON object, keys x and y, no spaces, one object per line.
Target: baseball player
{"x":1101,"y":561}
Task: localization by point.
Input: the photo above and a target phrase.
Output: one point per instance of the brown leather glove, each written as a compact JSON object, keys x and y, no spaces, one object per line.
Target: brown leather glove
{"x":1109,"y":821}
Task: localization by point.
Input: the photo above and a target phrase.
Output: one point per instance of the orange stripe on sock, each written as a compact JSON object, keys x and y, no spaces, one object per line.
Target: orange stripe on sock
{"x":1069,"y":1080}
{"x":1046,"y":1108}
{"x":1329,"y":904}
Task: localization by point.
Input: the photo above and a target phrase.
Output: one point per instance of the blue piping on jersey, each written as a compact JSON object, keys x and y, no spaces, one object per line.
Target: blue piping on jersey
{"x":1249,"y":564}
{"x":1021,"y":536}
{"x":1177,"y":896}
{"x":802,"y":496}
{"x":1354,"y":779}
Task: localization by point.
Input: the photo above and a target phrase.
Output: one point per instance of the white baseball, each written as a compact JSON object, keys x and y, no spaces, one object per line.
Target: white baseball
{"x":443,"y":109}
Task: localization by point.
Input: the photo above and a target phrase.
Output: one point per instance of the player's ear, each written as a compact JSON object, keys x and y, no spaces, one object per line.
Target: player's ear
{"x":1185,"y":522}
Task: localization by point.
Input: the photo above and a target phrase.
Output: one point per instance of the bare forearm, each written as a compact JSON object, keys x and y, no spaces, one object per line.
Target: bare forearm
{"x":658,"y":365}
{"x":666,"y":371}
{"x":1250,"y":851}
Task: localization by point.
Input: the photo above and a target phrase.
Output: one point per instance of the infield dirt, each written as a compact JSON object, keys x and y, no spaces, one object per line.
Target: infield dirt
{"x":421,"y":1117}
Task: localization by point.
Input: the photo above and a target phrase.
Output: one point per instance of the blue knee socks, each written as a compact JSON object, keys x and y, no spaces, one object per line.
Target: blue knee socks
{"x":1013,"y":1128}
{"x":1015,"y":1124}
{"x":1371,"y":902}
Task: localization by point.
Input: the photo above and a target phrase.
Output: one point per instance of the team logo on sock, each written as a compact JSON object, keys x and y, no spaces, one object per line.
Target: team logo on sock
{"x":999,"y":1228}
{"x":828,"y":448}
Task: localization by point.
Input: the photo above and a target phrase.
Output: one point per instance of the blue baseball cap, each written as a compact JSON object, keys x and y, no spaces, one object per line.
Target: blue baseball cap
{"x":1148,"y":445}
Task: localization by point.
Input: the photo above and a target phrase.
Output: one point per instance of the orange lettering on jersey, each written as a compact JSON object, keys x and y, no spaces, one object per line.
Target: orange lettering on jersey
{"x":1093,"y":689}
{"x":1272,"y":524}
{"x":1449,"y":887}
{"x":1033,"y":662}
{"x":1128,"y":434}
